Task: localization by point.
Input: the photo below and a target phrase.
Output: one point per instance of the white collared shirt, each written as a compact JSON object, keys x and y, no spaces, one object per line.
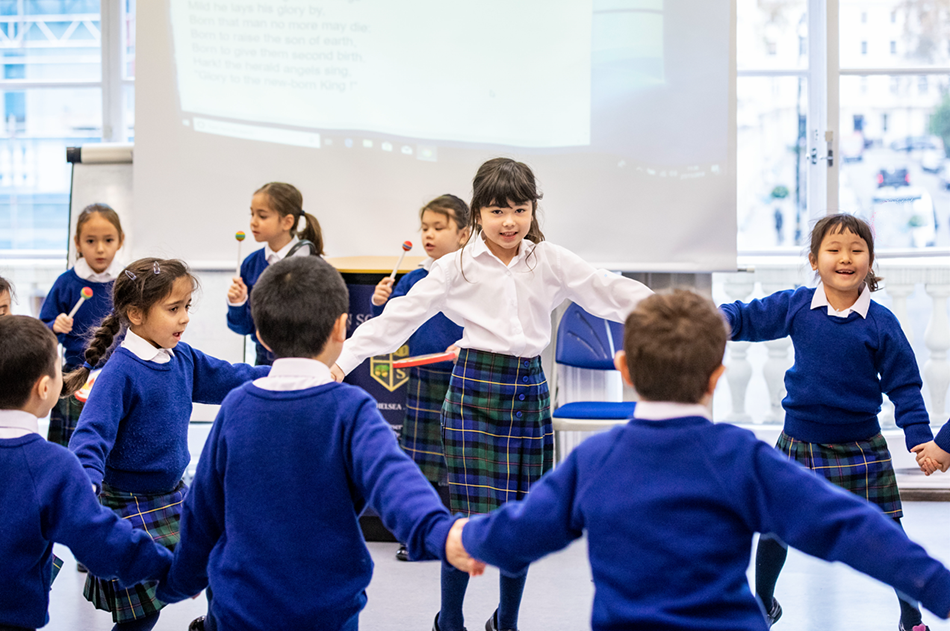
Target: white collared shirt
{"x":85,"y":272}
{"x":143,"y":349}
{"x":294,"y":373}
{"x":665,"y":410}
{"x":502,"y":308}
{"x":860,"y":306}
{"x":17,"y":423}
{"x":272,"y":257}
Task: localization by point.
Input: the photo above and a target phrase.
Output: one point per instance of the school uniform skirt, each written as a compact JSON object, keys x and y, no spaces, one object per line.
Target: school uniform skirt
{"x":158,"y":514}
{"x":421,"y":435}
{"x":496,"y":430}
{"x":62,"y":420}
{"x":863,"y":467}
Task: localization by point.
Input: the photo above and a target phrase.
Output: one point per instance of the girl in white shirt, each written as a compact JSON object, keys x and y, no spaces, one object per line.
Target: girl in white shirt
{"x":496,"y":419}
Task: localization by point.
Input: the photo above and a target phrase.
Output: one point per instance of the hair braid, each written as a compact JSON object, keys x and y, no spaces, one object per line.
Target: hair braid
{"x":98,"y":348}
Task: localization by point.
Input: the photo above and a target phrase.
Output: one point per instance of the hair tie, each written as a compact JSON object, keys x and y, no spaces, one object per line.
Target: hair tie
{"x":130,"y":275}
{"x":88,"y":366}
{"x":156,"y":267}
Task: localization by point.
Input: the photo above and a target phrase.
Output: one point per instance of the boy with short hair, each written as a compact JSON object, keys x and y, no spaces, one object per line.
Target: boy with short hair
{"x":670,"y":501}
{"x":45,"y":495}
{"x":6,"y":293}
{"x":270,"y":523}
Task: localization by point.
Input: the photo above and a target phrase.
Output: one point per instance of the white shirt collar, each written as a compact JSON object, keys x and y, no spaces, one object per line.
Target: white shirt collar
{"x":17,"y":423}
{"x":85,"y":272}
{"x":427,"y":264}
{"x":272,"y":257}
{"x":295,"y":373}
{"x":480,"y":248}
{"x":665,"y":410}
{"x":143,"y":349}
{"x":860,"y":306}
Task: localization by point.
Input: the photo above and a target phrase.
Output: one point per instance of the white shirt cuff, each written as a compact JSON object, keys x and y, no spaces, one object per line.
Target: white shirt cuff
{"x":237,"y":304}
{"x":347,"y":362}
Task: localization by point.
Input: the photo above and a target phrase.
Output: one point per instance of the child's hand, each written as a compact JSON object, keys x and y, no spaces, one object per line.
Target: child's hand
{"x":931,"y":457}
{"x":383,"y":291}
{"x":337,"y":373}
{"x":237,"y":292}
{"x":455,"y":552}
{"x":62,"y":324}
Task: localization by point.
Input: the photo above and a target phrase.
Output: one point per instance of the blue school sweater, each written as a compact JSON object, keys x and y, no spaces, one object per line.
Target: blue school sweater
{"x":842,"y":365}
{"x":239,"y":318}
{"x":46,"y":498}
{"x":670,"y":508}
{"x":61,"y":298}
{"x":436,"y":335}
{"x":275,"y":501}
{"x":943,"y":437}
{"x":133,"y":431}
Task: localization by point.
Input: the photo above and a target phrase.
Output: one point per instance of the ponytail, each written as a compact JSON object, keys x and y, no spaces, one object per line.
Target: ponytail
{"x":97,"y":350}
{"x":311,"y":231}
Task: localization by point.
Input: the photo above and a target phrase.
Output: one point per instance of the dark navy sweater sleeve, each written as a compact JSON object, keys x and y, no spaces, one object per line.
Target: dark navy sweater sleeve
{"x":763,"y":319}
{"x":239,"y":318}
{"x":61,"y":298}
{"x":215,"y":378}
{"x":943,"y":437}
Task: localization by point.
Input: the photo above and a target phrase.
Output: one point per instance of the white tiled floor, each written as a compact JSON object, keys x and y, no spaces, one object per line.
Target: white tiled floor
{"x":403,"y":596}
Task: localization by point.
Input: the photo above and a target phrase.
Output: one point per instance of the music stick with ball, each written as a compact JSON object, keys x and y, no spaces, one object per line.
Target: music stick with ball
{"x":84,"y":295}
{"x":406,"y":246}
{"x":240,"y":237}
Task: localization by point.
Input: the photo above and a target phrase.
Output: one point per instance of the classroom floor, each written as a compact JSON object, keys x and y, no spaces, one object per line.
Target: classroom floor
{"x":405,"y":596}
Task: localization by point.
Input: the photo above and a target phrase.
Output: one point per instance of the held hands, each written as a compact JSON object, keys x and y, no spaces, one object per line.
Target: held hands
{"x":383,"y":291}
{"x":931,"y":458}
{"x":455,"y":552}
{"x":237,"y":292}
{"x":62,"y":324}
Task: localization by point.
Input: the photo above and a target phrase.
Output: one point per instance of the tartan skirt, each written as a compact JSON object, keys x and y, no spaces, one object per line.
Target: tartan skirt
{"x":496,"y":430}
{"x":421,"y":434}
{"x":157,"y":514}
{"x":863,"y":467}
{"x":62,"y":420}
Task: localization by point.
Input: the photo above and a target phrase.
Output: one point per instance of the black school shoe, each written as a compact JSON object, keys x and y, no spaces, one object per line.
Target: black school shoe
{"x":198,"y":624}
{"x":774,"y":613}
{"x":402,"y":554}
{"x":492,"y":624}
{"x":435,"y":624}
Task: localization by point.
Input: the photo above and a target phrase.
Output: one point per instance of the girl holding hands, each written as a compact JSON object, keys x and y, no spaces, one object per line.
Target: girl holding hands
{"x":501,"y":288}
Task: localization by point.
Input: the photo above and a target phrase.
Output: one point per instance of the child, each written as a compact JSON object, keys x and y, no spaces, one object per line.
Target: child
{"x":6,"y":294}
{"x":276,"y":217}
{"x":670,"y":501}
{"x":132,"y":436}
{"x":320,"y":440}
{"x":444,"y":230}
{"x":501,"y":287}
{"x":98,"y":237}
{"x":45,"y":495}
{"x":848,"y":350}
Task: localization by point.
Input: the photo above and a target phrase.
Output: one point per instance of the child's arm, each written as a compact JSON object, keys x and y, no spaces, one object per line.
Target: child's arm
{"x":381,"y":295}
{"x":930,"y":457}
{"x":99,"y":421}
{"x":215,"y":378}
{"x":400,"y":319}
{"x":900,"y":380}
{"x":516,"y":534}
{"x":760,"y":320}
{"x":837,"y":526}
{"x":202,"y":522}
{"x":603,"y":294}
{"x":53,"y":314}
{"x":239,"y":307}
{"x":97,"y":537}
{"x":393,"y":485}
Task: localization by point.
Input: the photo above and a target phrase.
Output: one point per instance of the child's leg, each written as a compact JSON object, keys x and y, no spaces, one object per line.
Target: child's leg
{"x":510,"y":590}
{"x":770,"y":558}
{"x":910,"y":613}
{"x":454,"y":584}
{"x":142,"y":624}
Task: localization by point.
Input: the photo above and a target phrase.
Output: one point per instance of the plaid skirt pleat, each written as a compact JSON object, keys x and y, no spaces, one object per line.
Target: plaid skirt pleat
{"x":496,"y":430}
{"x":62,"y":420}
{"x":157,"y":514}
{"x":863,"y":467}
{"x":421,"y":435}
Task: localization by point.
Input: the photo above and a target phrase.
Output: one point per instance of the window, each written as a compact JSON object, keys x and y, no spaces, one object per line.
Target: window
{"x":864,"y":48}
{"x":893,"y":47}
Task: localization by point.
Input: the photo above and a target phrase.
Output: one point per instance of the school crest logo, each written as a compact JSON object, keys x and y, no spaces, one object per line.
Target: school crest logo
{"x":381,"y":369}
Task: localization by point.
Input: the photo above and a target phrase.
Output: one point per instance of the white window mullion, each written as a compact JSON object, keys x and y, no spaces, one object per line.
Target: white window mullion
{"x":817,"y":121}
{"x":833,"y":104}
{"x":113,"y":125}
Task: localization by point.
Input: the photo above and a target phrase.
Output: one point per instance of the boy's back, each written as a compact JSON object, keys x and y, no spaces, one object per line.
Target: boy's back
{"x":670,"y":507}
{"x":47,"y":497}
{"x":273,"y":512}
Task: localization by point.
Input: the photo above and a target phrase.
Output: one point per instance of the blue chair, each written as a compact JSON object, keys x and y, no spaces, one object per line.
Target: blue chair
{"x":584,"y":354}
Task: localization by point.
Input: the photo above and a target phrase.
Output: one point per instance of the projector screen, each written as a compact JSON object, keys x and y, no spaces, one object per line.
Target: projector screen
{"x":624,"y":109}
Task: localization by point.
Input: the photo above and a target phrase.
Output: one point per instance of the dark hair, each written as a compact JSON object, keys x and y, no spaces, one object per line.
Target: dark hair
{"x":838,"y":223}
{"x":505,"y":181}
{"x":27,"y":353}
{"x":674,"y":341}
{"x":6,"y":285}
{"x":142,"y":284}
{"x":451,"y":207}
{"x":295,"y":303}
{"x":287,"y":200}
{"x":103,"y":209}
